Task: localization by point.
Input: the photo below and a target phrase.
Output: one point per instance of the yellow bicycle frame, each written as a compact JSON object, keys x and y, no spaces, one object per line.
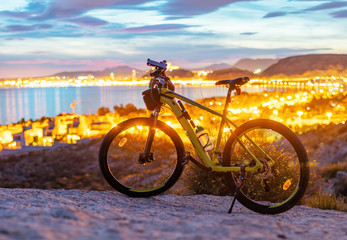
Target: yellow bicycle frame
{"x":168,"y":97}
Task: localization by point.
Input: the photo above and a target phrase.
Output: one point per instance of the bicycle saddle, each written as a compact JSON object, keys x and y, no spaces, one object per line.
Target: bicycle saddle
{"x":233,"y":82}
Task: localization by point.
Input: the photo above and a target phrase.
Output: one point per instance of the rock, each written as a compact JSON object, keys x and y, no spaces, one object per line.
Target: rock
{"x":75,"y":214}
{"x":340,"y":183}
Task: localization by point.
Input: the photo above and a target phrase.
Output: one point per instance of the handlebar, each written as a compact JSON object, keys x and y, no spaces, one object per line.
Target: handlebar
{"x":159,"y":75}
{"x":152,"y":63}
{"x":160,"y":67}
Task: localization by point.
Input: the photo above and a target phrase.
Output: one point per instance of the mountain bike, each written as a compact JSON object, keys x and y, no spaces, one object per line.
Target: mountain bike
{"x":263,"y":162}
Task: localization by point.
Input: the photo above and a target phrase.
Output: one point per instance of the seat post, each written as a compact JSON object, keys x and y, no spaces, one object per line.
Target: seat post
{"x":227,"y":102}
{"x":220,"y":132}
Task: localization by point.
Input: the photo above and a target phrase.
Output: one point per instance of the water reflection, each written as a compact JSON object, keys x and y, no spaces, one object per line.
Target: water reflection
{"x":34,"y":103}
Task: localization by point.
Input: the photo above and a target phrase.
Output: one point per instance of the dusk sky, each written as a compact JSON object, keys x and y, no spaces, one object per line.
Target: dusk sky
{"x":40,"y":37}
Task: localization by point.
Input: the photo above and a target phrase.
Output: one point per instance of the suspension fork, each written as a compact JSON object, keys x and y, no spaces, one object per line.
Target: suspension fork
{"x":152,"y":129}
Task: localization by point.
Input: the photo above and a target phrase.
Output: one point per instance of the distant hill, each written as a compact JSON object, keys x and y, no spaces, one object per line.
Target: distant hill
{"x":74,"y":74}
{"x":308,"y":64}
{"x":296,"y":66}
{"x":119,"y":71}
{"x":180,"y":73}
{"x":216,"y":66}
{"x":123,"y":71}
{"x":229,"y":73}
{"x":253,"y":64}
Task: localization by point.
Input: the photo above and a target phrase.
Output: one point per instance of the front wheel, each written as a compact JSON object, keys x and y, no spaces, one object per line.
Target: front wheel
{"x":280,"y":184}
{"x":124,"y":165}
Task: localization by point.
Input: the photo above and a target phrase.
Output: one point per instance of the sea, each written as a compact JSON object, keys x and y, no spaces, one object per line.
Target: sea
{"x":35,"y":103}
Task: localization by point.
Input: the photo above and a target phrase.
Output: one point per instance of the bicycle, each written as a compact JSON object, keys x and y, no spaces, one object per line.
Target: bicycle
{"x":264,"y":163}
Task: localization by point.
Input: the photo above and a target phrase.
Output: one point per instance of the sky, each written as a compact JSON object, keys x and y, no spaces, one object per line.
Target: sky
{"x":43,"y":37}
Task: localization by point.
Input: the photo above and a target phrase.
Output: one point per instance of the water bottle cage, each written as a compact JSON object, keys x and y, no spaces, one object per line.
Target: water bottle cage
{"x":208,"y":142}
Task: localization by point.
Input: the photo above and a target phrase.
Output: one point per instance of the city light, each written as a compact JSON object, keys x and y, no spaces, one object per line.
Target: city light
{"x":295,"y":110}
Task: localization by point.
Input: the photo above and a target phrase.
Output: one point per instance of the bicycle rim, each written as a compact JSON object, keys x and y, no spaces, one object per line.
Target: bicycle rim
{"x":278,"y":187}
{"x":136,"y":176}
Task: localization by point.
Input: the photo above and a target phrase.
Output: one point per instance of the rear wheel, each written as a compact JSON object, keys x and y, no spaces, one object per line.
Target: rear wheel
{"x":278,"y":186}
{"x":124,"y":166}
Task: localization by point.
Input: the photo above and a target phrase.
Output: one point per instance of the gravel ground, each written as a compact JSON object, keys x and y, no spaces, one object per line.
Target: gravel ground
{"x":81,"y":214}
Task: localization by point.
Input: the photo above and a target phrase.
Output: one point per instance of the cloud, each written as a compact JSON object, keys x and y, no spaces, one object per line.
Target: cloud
{"x":15,"y":14}
{"x":187,"y":8}
{"x":248,"y":33}
{"x":213,"y":53}
{"x":173,"y":9}
{"x":72,"y":11}
{"x":77,"y":11}
{"x":156,"y":28}
{"x":88,"y":21}
{"x":39,"y":52}
{"x":274,"y":14}
{"x":14,"y":39}
{"x":72,"y":8}
{"x":27,"y":28}
{"x":36,"y":6}
{"x":328,"y":5}
{"x":33,"y":8}
{"x":53,"y":32}
{"x":76,"y":64}
{"x":308,"y":0}
{"x":339,"y":14}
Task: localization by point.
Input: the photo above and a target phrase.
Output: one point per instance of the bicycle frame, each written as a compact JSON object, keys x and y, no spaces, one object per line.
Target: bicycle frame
{"x":168,"y":97}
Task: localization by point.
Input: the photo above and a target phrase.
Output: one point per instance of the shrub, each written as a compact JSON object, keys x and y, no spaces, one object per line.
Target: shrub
{"x":327,"y":201}
{"x":103,"y":111}
{"x":127,"y":109}
{"x":329,"y":171}
{"x":199,"y":181}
